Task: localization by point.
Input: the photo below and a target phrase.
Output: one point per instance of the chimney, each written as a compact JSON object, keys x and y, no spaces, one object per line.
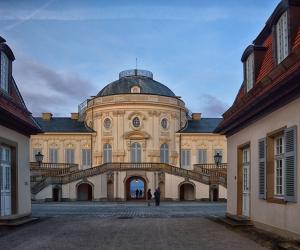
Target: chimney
{"x":74,"y":116}
{"x":196,"y":116}
{"x":46,"y":116}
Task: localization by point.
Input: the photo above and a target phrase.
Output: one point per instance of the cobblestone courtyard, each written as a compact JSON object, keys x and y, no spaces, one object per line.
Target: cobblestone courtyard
{"x":126,"y":226}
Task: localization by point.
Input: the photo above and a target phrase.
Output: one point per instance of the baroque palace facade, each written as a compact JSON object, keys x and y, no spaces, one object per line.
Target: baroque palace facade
{"x":135,"y":134}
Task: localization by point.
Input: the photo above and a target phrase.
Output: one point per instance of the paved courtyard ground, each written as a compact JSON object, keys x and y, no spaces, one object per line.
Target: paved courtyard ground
{"x":126,"y":226}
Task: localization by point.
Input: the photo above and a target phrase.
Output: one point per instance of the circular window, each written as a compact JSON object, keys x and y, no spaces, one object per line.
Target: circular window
{"x":136,"y":122}
{"x":107,"y":123}
{"x":164,"y":123}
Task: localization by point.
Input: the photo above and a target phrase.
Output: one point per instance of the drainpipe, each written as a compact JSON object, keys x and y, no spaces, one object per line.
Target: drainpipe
{"x":180,"y":150}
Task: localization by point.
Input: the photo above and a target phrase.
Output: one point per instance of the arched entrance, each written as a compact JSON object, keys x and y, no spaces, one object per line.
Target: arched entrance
{"x":56,"y":194}
{"x":187,"y":192}
{"x":136,"y":188}
{"x":84,"y":192}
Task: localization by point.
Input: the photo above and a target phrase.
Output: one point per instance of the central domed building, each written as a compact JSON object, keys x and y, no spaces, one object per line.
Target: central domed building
{"x":135,"y":134}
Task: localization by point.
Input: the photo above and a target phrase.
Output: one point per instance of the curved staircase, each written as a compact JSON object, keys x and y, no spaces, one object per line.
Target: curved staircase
{"x":63,"y":176}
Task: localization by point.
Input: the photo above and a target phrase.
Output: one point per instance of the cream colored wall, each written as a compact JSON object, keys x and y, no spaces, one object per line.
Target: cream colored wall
{"x":202,"y":190}
{"x":45,"y":193}
{"x":121,"y":109}
{"x":208,"y":141}
{"x":61,"y":141}
{"x":277,"y":215}
{"x":24,"y":196}
{"x":222,"y":192}
{"x":171,"y":186}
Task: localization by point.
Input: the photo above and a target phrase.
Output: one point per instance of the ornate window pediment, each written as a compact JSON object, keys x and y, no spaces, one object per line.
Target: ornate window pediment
{"x":136,"y":135}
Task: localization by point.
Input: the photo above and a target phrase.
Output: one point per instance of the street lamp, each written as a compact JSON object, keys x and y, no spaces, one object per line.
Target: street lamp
{"x":218,"y":159}
{"x":39,"y":158}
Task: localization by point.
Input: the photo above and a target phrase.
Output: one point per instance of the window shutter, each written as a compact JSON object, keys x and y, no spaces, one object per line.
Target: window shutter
{"x":290,"y":137}
{"x":262,"y":168}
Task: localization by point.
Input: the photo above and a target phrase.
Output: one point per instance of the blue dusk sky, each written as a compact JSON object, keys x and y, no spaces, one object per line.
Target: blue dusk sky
{"x":67,"y":51}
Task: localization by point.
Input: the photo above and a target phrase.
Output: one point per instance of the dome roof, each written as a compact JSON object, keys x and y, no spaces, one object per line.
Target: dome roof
{"x":141,"y":78}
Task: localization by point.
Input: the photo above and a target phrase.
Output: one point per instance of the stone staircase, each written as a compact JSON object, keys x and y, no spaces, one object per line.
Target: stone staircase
{"x":38,"y":183}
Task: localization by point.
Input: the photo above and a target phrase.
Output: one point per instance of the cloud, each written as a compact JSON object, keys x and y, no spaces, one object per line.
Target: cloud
{"x":154,"y":12}
{"x":213,"y":106}
{"x":48,"y":90}
{"x":28,"y":16}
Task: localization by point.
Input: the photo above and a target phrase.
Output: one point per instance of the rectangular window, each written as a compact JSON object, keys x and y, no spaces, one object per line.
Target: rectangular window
{"x":4,"y":72}
{"x":202,"y":156}
{"x":186,"y":158}
{"x":220,"y":151}
{"x":282,"y":49}
{"x":250,"y":72}
{"x":86,"y":158}
{"x":35,"y":151}
{"x":53,"y":155}
{"x":279,"y":166}
{"x":69,"y":156}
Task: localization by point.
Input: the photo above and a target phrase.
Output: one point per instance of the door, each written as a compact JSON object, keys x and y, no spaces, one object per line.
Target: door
{"x":5,"y":180}
{"x":246,"y":182}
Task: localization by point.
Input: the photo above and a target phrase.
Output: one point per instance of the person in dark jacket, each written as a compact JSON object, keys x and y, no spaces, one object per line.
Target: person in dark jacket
{"x":141,"y":194}
{"x":157,"y":196}
{"x":149,"y":196}
{"x":136,"y":193}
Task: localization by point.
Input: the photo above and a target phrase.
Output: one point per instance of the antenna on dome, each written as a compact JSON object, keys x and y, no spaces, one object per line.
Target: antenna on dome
{"x":136,"y":62}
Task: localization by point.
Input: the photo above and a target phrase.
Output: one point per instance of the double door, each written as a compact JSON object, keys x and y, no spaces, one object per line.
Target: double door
{"x":5,"y":180}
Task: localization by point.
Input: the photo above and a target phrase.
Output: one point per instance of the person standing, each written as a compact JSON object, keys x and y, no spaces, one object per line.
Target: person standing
{"x":137,"y":194}
{"x":149,"y":196}
{"x":141,"y":194}
{"x":157,"y":197}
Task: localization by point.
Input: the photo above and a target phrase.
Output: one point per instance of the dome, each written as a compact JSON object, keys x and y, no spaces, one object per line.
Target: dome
{"x":131,"y":78}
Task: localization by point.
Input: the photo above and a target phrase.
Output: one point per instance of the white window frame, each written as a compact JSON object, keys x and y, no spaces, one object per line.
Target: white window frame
{"x":70,"y":155}
{"x":107,"y":153}
{"x":164,"y":153}
{"x":86,"y":157}
{"x":186,"y":158}
{"x":250,"y":72}
{"x":136,"y":152}
{"x":282,"y":38}
{"x":202,"y":156}
{"x":53,"y":155}
{"x":4,"y":72}
{"x":279,"y":168}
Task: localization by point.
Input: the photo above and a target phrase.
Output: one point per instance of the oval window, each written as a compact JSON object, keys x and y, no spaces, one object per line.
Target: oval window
{"x":136,"y":122}
{"x":107,"y":123}
{"x":164,"y":123}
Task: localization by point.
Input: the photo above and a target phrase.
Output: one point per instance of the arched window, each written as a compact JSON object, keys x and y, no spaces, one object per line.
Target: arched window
{"x":107,"y":154}
{"x":164,"y":153}
{"x":136,"y":152}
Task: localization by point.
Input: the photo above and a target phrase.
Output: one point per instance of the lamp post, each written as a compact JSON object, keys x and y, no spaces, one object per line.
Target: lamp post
{"x":39,"y":158}
{"x":218,"y":159}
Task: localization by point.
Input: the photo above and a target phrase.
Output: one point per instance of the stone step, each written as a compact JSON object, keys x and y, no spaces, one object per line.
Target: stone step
{"x":17,"y":221}
{"x":236,"y":223}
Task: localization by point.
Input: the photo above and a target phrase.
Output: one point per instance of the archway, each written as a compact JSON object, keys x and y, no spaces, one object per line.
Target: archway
{"x":84,"y":192}
{"x":136,"y":188}
{"x":187,"y":192}
{"x":56,"y":194}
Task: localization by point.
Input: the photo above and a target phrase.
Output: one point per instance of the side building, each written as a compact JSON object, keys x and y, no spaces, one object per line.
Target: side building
{"x":135,"y":130}
{"x":262,"y":128}
{"x":16,"y":126}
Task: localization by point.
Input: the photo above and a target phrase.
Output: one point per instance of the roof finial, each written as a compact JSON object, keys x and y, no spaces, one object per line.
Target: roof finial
{"x":136,"y":62}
